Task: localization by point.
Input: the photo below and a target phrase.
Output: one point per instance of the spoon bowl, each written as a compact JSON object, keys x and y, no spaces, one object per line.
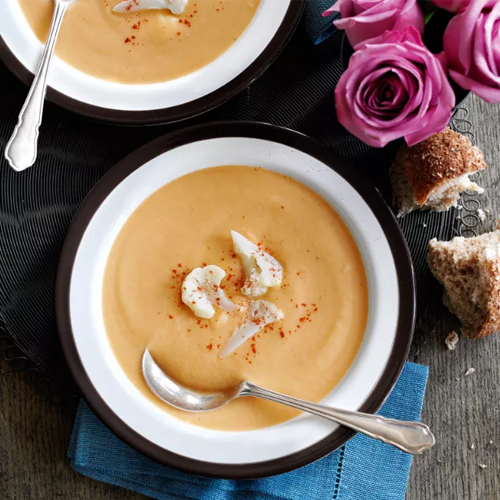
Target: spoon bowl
{"x":411,"y":437}
{"x":182,"y":397}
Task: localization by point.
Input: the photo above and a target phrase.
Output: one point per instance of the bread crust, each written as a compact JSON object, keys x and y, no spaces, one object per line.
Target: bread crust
{"x":431,"y":164}
{"x":465,"y":265}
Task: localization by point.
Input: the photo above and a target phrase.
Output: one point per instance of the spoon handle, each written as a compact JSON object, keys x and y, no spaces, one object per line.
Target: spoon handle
{"x":411,"y":437}
{"x":21,"y":149}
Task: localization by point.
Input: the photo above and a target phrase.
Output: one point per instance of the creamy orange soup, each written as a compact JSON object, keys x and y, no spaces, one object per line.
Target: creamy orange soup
{"x":186,"y":224}
{"x":142,"y":47}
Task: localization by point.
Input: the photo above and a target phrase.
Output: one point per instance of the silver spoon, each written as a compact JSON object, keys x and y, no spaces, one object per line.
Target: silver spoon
{"x":411,"y":437}
{"x":21,"y":149}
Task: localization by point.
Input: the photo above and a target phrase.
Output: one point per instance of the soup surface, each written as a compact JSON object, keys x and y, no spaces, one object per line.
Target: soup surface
{"x":186,"y":224}
{"x":142,"y":47}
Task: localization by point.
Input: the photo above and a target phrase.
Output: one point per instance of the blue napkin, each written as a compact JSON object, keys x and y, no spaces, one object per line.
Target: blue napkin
{"x":362,"y":469}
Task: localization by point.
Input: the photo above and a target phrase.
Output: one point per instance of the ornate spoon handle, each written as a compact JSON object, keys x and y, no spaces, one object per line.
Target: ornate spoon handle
{"x":21,"y":149}
{"x":411,"y":437}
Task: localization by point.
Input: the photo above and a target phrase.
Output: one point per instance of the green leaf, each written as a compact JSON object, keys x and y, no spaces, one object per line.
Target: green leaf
{"x":429,"y":15}
{"x":428,"y":9}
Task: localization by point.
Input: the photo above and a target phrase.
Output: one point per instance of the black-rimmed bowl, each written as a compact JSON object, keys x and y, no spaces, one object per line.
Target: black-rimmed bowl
{"x":182,"y":98}
{"x":143,"y":425}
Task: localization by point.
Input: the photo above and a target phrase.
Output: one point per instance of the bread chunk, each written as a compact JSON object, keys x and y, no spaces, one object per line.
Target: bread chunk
{"x":432,"y":174}
{"x":469,"y":270}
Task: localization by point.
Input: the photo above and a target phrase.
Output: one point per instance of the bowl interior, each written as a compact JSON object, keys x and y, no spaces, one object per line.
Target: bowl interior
{"x":106,"y":375}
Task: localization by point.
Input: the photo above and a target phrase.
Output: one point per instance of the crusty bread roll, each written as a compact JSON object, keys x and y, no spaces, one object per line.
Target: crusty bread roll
{"x":432,"y":174}
{"x":469,"y":270}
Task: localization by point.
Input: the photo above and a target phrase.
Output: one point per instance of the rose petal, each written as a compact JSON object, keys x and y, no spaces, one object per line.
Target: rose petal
{"x":489,"y":94}
{"x":361,"y":27}
{"x":451,"y":5}
{"x":414,"y":89}
{"x":365,"y":19}
{"x":474,"y":59}
{"x":461,"y":29}
{"x":484,"y":55}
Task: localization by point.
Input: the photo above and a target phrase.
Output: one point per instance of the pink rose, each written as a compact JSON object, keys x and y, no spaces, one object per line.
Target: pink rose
{"x":365,"y":19}
{"x":394,"y":87}
{"x":451,"y":5}
{"x":472,"y":45}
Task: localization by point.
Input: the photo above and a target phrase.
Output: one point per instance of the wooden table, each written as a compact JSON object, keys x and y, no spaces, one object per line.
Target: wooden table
{"x":463,"y":411}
